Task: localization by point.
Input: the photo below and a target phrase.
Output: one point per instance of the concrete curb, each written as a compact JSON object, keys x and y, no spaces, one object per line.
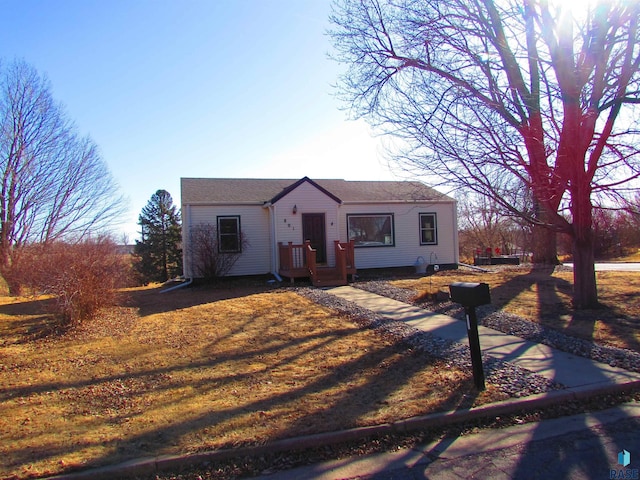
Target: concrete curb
{"x":149,"y":466}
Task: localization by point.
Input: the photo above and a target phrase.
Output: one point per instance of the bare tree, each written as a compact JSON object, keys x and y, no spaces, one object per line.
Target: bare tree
{"x":488,"y":93}
{"x":485,"y":225}
{"x":53,"y":183}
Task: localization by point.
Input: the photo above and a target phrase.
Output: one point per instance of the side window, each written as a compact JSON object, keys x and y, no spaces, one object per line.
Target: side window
{"x":374,"y":230}
{"x":229,"y":235}
{"x":428,"y":229}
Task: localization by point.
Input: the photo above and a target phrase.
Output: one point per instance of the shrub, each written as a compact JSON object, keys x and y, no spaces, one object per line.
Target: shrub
{"x":208,"y":262}
{"x":83,"y":277}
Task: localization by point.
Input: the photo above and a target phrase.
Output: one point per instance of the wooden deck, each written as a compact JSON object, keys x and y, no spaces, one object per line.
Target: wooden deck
{"x":299,"y":261}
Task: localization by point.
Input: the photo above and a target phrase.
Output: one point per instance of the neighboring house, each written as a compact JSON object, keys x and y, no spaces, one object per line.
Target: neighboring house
{"x":377,"y":223}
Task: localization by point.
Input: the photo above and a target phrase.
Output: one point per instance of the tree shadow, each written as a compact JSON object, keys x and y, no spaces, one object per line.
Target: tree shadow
{"x":38,"y":323}
{"x":392,"y":371}
{"x":151,"y":301}
{"x":547,"y":286}
{"x":435,"y":447}
{"x":566,"y":460}
{"x":563,"y":460}
{"x":41,"y":321}
{"x":389,"y":367}
{"x":542,"y":456}
{"x":556,"y":314}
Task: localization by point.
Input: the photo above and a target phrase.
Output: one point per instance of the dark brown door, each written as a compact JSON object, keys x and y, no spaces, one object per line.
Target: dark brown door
{"x":313,"y":230}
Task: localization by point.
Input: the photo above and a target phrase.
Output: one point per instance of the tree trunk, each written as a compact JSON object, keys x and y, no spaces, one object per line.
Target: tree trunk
{"x":9,"y":268}
{"x":544,"y":242}
{"x":544,"y":246}
{"x":9,"y":274}
{"x":585,"y":292}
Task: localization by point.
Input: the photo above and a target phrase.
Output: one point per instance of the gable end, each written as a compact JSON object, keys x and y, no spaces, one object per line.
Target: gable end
{"x":295,"y":185}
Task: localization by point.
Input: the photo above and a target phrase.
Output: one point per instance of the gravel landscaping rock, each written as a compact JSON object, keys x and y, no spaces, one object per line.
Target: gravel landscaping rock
{"x":510,"y":379}
{"x":504,"y":322}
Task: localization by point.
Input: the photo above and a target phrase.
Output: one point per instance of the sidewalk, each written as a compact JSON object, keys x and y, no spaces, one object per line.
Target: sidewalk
{"x":570,"y":370}
{"x":576,"y":447}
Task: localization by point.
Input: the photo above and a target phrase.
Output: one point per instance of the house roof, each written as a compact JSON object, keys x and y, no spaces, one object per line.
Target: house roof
{"x":295,"y":185}
{"x":261,"y":191}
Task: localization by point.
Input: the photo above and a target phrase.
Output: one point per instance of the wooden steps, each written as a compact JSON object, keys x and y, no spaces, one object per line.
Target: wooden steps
{"x":328,"y":277}
{"x":298,"y":261}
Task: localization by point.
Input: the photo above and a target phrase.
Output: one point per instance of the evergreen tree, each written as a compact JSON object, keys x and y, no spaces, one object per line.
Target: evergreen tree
{"x":159,"y":256}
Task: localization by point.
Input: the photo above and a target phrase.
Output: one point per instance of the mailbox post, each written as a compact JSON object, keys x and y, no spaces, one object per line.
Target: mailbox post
{"x":470,"y":296}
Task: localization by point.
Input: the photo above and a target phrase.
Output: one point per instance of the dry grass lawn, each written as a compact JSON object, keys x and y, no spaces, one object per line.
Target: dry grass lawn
{"x":200,"y":369}
{"x":633,"y":257}
{"x":545,"y":297}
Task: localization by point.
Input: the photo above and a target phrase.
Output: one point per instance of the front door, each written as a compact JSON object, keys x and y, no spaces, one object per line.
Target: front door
{"x":313,"y":230}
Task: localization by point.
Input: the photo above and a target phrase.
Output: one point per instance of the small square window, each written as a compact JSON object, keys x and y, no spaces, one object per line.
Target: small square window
{"x":428,"y":229}
{"x":229,"y":235}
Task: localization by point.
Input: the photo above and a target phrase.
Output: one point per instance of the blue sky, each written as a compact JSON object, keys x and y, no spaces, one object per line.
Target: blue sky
{"x":195,"y":88}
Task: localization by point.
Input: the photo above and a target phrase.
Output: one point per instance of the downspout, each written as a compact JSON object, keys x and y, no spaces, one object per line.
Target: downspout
{"x":186,"y":266}
{"x":188,"y":281}
{"x":274,"y":244}
{"x":456,"y":240}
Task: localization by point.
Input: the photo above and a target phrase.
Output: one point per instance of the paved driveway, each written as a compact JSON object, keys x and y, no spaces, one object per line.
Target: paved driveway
{"x":613,"y":267}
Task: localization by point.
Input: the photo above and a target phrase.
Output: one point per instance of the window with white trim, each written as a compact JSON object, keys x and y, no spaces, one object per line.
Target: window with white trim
{"x":229,"y":234}
{"x":428,"y":229}
{"x":371,"y":230}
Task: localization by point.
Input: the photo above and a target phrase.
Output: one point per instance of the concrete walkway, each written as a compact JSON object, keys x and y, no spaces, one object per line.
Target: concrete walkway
{"x":570,"y":370}
{"x":613,"y":267}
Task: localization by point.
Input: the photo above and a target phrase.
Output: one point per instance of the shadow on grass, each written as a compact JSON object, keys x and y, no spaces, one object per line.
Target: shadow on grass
{"x":153,"y":300}
{"x":41,"y":320}
{"x":547,"y":286}
{"x":557,"y":314}
{"x":387,"y":369}
{"x":210,"y":362}
{"x":38,"y":321}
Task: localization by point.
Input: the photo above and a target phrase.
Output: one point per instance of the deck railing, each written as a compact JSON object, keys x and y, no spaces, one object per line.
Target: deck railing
{"x":298,"y":261}
{"x":348,"y":250}
{"x":312,"y":265}
{"x":341,"y":261}
{"x":293,"y":260}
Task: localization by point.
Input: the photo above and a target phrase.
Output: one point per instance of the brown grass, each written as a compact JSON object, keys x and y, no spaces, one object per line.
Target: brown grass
{"x":200,"y":369}
{"x":545,"y":297}
{"x":631,"y":257}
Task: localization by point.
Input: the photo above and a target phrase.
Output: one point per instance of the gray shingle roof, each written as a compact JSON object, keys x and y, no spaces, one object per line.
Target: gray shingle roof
{"x":259,"y":191}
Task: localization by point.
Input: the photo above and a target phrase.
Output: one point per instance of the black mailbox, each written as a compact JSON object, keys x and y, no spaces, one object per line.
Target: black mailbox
{"x":470,"y":294}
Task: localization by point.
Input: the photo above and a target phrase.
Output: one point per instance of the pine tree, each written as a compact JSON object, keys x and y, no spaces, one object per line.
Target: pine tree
{"x":159,"y":256}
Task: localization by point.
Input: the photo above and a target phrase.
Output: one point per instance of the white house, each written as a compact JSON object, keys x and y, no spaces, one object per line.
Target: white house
{"x":378,"y":223}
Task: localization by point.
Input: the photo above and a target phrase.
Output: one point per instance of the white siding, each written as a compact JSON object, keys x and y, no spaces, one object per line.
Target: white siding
{"x":254,"y":223}
{"x":307,"y":199}
{"x":407,"y":246}
{"x":259,"y":256}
